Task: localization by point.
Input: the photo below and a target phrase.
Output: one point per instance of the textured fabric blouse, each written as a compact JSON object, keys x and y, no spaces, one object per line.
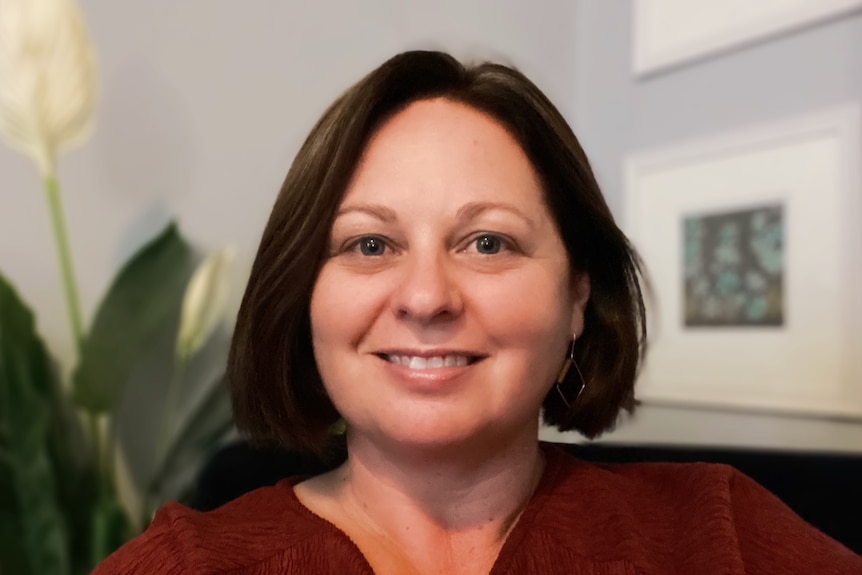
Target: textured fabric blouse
{"x":584,"y":518}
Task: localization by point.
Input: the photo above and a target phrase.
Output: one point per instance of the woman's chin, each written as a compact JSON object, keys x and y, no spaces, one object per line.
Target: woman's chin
{"x":431,"y":436}
{"x":437,"y":437}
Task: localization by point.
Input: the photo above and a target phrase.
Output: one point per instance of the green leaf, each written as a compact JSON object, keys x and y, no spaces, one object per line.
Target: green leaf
{"x":74,"y":461}
{"x":201,"y":430}
{"x":33,"y":536}
{"x":110,"y":526}
{"x":145,"y":296}
{"x":202,"y":419}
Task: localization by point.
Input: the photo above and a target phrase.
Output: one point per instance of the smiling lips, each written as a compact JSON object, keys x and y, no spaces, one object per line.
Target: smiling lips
{"x":430,"y":362}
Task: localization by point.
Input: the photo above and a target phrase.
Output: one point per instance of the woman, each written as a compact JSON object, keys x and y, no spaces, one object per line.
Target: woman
{"x":439,"y":269}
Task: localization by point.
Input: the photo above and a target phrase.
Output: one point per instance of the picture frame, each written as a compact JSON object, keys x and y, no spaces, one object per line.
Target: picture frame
{"x":668,"y":33}
{"x":809,"y":359}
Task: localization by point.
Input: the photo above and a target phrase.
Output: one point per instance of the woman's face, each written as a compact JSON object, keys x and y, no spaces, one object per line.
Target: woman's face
{"x":445,"y":308}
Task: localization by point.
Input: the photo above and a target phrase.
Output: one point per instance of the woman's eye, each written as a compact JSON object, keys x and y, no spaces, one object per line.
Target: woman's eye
{"x":371,"y":246}
{"x":488,"y":244}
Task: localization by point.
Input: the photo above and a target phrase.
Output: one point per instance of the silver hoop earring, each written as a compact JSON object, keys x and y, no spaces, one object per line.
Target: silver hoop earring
{"x":566,"y":376}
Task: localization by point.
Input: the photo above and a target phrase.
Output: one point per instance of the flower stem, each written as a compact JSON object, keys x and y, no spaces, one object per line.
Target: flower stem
{"x":73,"y":305}
{"x":52,"y":187}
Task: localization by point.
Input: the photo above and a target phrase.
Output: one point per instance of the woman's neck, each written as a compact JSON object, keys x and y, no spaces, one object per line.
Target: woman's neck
{"x":453,"y":507}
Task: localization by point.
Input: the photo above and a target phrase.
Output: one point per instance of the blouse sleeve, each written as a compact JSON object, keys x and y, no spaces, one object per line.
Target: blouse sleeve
{"x":773,"y":539}
{"x":159,"y":549}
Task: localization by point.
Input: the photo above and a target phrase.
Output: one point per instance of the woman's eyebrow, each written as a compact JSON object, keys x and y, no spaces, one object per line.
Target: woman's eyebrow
{"x":473,"y":209}
{"x":382,"y":213}
{"x":467,"y":212}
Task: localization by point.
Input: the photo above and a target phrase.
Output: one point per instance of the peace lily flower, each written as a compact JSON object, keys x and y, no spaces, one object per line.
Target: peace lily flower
{"x":204,"y":301}
{"x":48,"y":78}
{"x":204,"y":304}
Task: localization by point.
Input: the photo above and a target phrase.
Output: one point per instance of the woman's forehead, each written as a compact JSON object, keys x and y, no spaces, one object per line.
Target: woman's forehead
{"x":440,"y":150}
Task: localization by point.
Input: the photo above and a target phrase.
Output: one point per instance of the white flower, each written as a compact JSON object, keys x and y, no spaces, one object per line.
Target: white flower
{"x":205,"y":301}
{"x":48,"y":78}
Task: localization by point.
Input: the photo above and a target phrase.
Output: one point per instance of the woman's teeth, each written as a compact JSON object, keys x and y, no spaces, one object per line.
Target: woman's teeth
{"x":415,"y":362}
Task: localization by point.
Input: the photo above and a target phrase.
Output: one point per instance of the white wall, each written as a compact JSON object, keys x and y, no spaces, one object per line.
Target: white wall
{"x":615,"y":114}
{"x":205,"y":103}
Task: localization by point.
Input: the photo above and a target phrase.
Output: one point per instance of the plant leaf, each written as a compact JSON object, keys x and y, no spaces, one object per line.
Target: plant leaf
{"x":205,"y":424}
{"x":33,"y":537}
{"x":110,"y":526}
{"x":73,"y":458}
{"x":145,"y":296}
{"x":202,"y":414}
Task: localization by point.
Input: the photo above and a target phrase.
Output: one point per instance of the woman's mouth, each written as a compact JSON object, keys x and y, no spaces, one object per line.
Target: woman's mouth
{"x":430,"y":362}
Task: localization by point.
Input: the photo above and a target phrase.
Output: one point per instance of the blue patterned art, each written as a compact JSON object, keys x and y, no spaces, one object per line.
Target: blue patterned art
{"x":734,"y":268}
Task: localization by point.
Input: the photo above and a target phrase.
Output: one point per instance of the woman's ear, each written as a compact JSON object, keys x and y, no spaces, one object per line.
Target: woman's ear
{"x":580,"y":297}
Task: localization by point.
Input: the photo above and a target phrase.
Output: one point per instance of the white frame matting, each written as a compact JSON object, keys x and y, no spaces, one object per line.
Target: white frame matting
{"x":667,"y":33}
{"x":812,"y":364}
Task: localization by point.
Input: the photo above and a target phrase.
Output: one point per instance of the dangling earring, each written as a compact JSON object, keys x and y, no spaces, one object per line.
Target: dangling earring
{"x":567,"y":378}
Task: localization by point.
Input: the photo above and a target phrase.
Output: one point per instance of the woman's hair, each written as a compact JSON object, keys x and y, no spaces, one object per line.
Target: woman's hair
{"x":277,"y":393}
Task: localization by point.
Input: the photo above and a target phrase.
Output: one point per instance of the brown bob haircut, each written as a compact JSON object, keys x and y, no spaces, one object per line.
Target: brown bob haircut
{"x":277,"y":393}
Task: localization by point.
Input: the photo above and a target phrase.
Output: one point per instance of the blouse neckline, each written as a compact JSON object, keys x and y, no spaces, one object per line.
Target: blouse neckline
{"x":554,"y":459}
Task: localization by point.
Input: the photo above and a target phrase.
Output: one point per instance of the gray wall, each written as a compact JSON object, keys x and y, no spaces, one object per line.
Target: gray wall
{"x":204,"y":104}
{"x":616,"y":114}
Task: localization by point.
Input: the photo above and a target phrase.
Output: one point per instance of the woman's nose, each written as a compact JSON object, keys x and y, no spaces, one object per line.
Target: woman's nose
{"x":427,"y":290}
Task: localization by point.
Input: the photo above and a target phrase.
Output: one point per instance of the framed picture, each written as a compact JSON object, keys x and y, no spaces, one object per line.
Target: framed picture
{"x":670,"y":32}
{"x":752,"y":242}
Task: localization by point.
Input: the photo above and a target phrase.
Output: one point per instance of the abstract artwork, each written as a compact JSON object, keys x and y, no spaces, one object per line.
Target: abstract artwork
{"x":753,"y":253}
{"x":733,"y":268}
